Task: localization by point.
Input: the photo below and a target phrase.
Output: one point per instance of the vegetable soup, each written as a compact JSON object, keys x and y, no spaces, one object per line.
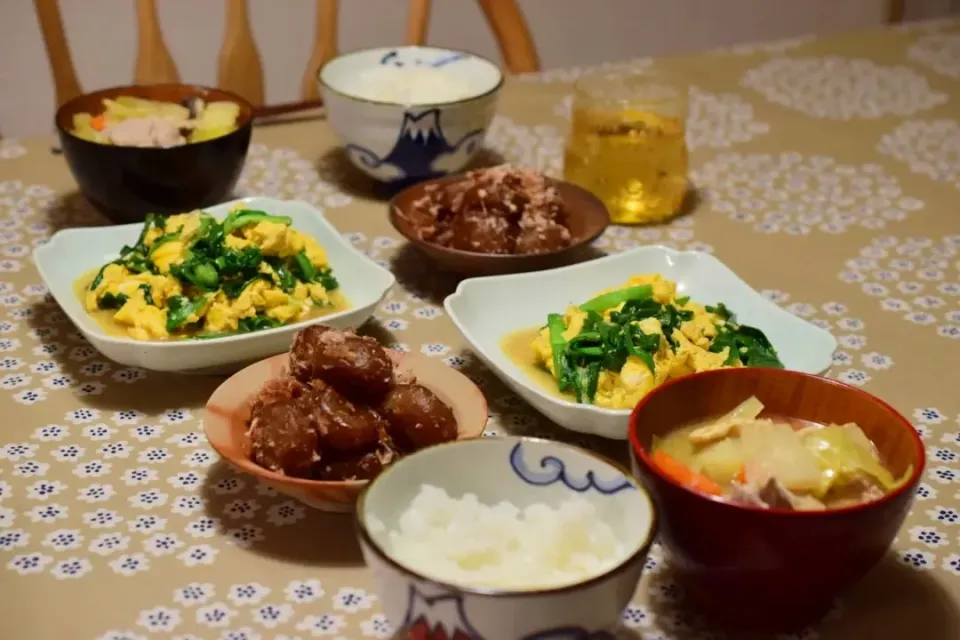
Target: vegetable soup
{"x":137,"y":122}
{"x":772,"y":462}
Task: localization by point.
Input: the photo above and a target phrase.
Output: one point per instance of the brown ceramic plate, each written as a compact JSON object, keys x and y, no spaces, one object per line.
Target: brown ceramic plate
{"x":588,"y":217}
{"x":126,"y":183}
{"x":228,"y":409}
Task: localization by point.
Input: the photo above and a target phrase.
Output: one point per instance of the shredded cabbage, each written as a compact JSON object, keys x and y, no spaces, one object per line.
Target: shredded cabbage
{"x":845,"y":454}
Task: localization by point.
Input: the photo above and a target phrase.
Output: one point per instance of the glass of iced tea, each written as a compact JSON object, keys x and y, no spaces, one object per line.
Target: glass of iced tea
{"x":627,"y":143}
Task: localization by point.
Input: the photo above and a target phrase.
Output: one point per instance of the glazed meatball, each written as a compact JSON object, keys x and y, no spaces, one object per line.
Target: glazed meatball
{"x":283,"y":437}
{"x":283,"y":389}
{"x":361,"y":465}
{"x":341,"y":424}
{"x":353,"y":364}
{"x":417,"y":417}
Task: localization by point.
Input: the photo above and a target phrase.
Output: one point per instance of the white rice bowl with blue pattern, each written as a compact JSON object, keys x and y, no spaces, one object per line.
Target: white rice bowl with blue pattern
{"x":410,"y":113}
{"x":473,"y":490}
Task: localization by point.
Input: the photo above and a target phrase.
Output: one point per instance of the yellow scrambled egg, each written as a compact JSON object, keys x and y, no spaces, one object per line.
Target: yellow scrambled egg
{"x":686,"y":352}
{"x":142,"y":299}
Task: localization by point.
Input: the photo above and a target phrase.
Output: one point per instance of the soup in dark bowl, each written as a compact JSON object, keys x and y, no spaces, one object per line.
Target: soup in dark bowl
{"x":772,"y":555}
{"x":128,"y":182}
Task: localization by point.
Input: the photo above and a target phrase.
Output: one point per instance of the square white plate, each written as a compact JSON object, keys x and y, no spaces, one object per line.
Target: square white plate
{"x":485,"y":310}
{"x":70,"y":253}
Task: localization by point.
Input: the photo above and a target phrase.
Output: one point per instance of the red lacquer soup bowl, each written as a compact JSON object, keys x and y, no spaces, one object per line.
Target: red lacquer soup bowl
{"x":771,"y":569}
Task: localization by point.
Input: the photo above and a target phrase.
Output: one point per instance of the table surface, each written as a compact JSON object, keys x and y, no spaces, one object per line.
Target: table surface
{"x":829,"y":176}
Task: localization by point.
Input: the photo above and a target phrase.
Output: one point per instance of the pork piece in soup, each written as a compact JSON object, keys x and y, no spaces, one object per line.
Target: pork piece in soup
{"x":763,"y":462}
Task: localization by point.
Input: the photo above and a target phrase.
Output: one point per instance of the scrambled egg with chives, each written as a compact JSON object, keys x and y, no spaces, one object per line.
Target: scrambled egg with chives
{"x":190,"y":275}
{"x":613,"y":349}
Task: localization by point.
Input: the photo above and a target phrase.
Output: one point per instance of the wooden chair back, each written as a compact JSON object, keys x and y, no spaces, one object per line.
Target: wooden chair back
{"x":239,"y":66}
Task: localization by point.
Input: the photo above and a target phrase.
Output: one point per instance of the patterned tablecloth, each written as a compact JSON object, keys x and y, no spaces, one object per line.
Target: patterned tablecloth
{"x":829,"y":176}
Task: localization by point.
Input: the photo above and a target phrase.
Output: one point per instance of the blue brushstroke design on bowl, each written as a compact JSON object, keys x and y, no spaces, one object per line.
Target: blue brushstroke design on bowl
{"x":553,"y":470}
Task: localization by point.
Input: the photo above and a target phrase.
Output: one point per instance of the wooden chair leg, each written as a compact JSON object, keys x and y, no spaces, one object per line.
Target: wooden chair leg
{"x":324,"y":47}
{"x":65,"y":83}
{"x":512,"y":33}
{"x":895,"y":11}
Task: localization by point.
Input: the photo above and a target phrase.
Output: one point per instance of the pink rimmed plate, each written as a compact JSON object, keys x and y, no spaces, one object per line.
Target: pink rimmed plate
{"x":228,"y":410}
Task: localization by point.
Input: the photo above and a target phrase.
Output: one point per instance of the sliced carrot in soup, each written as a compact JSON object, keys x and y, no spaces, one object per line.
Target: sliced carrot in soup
{"x":741,"y":476}
{"x":685,"y":475}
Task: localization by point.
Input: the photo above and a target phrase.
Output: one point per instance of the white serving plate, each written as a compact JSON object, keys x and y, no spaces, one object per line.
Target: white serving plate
{"x":70,"y":253}
{"x":487,"y":309}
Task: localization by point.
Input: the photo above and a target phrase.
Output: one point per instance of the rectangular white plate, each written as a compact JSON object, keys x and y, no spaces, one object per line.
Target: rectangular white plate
{"x":70,"y":253}
{"x":487,"y":309}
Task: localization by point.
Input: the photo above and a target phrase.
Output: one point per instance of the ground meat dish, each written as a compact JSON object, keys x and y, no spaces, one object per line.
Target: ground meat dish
{"x":282,"y":436}
{"x":352,"y":364}
{"x":344,"y":411}
{"x":500,"y":210}
{"x":360,"y":465}
{"x":417,"y":417}
{"x":342,"y":425}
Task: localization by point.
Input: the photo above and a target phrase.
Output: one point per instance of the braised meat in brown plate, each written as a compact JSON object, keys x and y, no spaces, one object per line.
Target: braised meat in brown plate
{"x":343,"y":411}
{"x":500,"y":210}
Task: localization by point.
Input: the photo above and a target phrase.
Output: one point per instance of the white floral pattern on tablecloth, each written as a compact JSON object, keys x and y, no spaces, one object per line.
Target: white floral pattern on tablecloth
{"x":538,"y":147}
{"x":54,"y":358}
{"x":842,"y":88}
{"x":720,"y":120}
{"x":11,"y":149}
{"x":855,"y":361}
{"x":247,"y":610}
{"x":776,"y":46}
{"x":572,"y":74}
{"x":282,"y":173}
{"x":796,"y":194}
{"x":929,"y":147}
{"x":914,"y":277}
{"x":677,"y":234}
{"x":926,"y":26}
{"x":940,"y":52}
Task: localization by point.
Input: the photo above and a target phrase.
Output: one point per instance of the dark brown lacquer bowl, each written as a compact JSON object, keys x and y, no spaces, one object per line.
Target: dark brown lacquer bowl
{"x":586,"y":214}
{"x":771,"y":570}
{"x":126,"y":183}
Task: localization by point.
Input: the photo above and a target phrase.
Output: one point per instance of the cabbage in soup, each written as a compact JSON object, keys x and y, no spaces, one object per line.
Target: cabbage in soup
{"x":775,"y":463}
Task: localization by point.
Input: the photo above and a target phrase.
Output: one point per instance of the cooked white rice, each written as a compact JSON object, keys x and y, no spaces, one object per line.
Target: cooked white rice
{"x":408,"y":85}
{"x":466,"y":542}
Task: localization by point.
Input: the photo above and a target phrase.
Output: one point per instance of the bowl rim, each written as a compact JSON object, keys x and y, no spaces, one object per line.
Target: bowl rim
{"x":640,"y":453}
{"x":393,"y":215}
{"x":262,"y":473}
{"x":105,"y":338}
{"x":564,"y":403}
{"x":243,"y":122}
{"x":396,"y":103}
{"x":642,"y":550}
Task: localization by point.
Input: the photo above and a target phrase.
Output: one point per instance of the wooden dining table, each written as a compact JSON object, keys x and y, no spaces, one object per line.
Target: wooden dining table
{"x":827,"y":175}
